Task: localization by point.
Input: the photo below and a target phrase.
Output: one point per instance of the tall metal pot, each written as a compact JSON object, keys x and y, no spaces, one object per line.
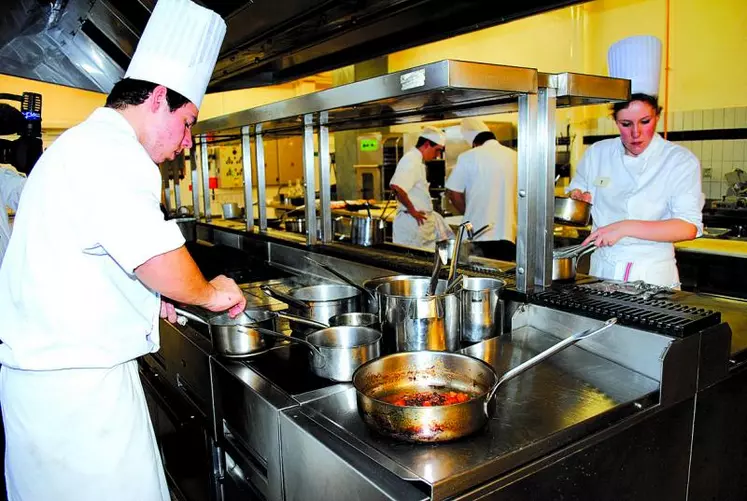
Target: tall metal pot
{"x":413,"y":321}
{"x":481,"y":308}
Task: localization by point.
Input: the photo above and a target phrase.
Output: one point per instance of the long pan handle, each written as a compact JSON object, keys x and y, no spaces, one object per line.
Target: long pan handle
{"x":339,"y":275}
{"x":188,"y":315}
{"x":302,"y":320}
{"x":283,"y":297}
{"x":556,"y":348}
{"x":278,"y":335}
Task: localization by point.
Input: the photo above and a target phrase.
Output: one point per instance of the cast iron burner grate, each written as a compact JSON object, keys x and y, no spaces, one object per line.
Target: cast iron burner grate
{"x":657,"y":315}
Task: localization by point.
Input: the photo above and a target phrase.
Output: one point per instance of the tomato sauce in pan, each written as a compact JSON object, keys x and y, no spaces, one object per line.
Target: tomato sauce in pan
{"x":427,"y":398}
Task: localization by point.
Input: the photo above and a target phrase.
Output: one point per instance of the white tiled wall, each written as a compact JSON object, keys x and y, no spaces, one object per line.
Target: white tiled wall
{"x":717,"y":157}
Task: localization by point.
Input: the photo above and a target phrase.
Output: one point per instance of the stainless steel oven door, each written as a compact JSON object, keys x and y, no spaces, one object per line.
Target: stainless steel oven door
{"x":183,"y":437}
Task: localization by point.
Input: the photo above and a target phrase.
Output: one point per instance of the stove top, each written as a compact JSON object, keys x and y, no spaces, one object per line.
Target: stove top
{"x":287,"y":367}
{"x":642,"y":308}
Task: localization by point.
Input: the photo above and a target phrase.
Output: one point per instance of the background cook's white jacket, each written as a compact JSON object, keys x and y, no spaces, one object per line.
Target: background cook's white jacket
{"x":410,"y":176}
{"x":487,"y":177}
{"x":11,"y":185}
{"x":88,"y":216}
{"x":664,"y":184}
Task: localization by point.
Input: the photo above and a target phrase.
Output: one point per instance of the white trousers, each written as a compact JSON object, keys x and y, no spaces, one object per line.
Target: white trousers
{"x":79,"y":435}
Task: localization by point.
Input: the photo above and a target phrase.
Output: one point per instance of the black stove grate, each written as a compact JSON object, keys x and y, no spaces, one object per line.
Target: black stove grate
{"x":657,"y":315}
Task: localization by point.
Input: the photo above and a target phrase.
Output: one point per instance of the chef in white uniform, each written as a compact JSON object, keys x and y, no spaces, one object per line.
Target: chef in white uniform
{"x":414,"y":223}
{"x":81,"y":281}
{"x":11,"y":186}
{"x":646,"y":191}
{"x":483,"y":187}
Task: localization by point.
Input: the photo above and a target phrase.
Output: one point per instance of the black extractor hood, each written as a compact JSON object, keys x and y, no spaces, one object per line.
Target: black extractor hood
{"x":88,"y":43}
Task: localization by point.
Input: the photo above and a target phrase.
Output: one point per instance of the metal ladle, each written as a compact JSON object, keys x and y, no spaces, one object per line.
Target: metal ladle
{"x":440,"y":257}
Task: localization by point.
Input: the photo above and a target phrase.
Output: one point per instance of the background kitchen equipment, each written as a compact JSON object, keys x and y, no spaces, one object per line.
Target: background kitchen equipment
{"x":481,"y":308}
{"x":564,"y":260}
{"x":572,"y":212}
{"x":367,"y":231}
{"x":231,"y":210}
{"x":413,"y":321}
{"x":380,"y":380}
{"x":318,"y":302}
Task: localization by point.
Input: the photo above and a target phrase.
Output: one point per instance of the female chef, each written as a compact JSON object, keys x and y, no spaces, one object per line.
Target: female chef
{"x":645,"y":190}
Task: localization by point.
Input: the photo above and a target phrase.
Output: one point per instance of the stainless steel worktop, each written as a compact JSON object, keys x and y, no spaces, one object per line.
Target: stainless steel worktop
{"x":549,"y":406}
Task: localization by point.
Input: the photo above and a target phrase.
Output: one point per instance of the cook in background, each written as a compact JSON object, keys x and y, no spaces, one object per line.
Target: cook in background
{"x":645,"y":190}
{"x":414,"y":222}
{"x":81,"y":284}
{"x":482,"y":186}
{"x":11,"y":185}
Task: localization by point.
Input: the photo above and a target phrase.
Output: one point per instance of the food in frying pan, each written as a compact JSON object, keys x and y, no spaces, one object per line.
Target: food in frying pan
{"x":428,"y":398}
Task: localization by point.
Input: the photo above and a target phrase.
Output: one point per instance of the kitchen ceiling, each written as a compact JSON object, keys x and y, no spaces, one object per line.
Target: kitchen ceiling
{"x":88,"y":43}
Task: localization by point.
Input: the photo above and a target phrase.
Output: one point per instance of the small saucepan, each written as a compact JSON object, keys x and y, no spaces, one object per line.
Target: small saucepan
{"x":565,"y":260}
{"x":244,"y":335}
{"x":572,"y":212}
{"x":356,"y":319}
{"x":317,"y":302}
{"x":335,"y":352}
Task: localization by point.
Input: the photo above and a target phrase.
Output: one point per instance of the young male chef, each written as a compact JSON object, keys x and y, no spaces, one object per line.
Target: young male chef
{"x":414,"y":223}
{"x":81,"y":281}
{"x":482,"y":186}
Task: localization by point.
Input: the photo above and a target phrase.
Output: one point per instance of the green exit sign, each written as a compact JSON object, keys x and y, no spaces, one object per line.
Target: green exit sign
{"x":369,"y":144}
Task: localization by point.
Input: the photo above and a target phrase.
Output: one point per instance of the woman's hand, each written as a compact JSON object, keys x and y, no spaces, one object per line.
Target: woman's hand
{"x":610,"y":234}
{"x":584,"y":196}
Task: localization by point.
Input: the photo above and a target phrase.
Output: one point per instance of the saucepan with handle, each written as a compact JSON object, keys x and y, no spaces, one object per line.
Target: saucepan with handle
{"x":382,"y":386}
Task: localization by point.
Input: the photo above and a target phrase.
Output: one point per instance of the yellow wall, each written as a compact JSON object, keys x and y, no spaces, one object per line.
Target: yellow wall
{"x":707,"y":44}
{"x":62,"y":107}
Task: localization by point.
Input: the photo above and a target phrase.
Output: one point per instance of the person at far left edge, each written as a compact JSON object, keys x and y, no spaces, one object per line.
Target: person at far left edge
{"x":82,"y":279}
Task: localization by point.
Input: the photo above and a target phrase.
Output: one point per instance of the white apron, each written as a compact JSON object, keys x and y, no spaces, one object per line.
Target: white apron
{"x":79,"y":435}
{"x":406,"y":231}
{"x":657,"y":272}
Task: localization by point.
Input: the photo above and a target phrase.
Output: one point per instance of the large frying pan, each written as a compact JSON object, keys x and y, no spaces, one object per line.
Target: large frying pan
{"x":383,"y":380}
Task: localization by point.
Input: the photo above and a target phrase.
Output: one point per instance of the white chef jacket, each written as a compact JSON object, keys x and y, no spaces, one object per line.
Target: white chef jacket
{"x":410,"y":176}
{"x":89,"y":215}
{"x":75,"y":316}
{"x":661,"y":183}
{"x":487,"y":176}
{"x":11,"y":185}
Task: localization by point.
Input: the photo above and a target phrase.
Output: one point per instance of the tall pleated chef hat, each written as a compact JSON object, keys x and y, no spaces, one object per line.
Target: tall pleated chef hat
{"x":639,"y":60}
{"x":434,"y":135}
{"x":471,"y":127}
{"x":179,"y":48}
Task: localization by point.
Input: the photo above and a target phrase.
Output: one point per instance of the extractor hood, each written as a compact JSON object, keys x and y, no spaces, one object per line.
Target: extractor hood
{"x":88,"y":43}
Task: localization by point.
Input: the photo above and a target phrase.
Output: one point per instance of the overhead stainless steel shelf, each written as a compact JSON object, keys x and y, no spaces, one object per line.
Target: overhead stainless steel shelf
{"x":437,"y":91}
{"x":577,"y":89}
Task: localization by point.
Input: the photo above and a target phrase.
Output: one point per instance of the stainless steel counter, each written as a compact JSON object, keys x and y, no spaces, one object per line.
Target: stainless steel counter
{"x":538,"y":412}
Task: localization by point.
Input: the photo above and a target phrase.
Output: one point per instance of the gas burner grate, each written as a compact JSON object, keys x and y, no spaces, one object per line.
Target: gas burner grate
{"x":657,"y":315}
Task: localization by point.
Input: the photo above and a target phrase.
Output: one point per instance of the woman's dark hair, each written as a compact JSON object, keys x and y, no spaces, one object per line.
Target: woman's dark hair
{"x":482,"y":137}
{"x":132,"y":92}
{"x":651,"y":100}
{"x":423,"y":141}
